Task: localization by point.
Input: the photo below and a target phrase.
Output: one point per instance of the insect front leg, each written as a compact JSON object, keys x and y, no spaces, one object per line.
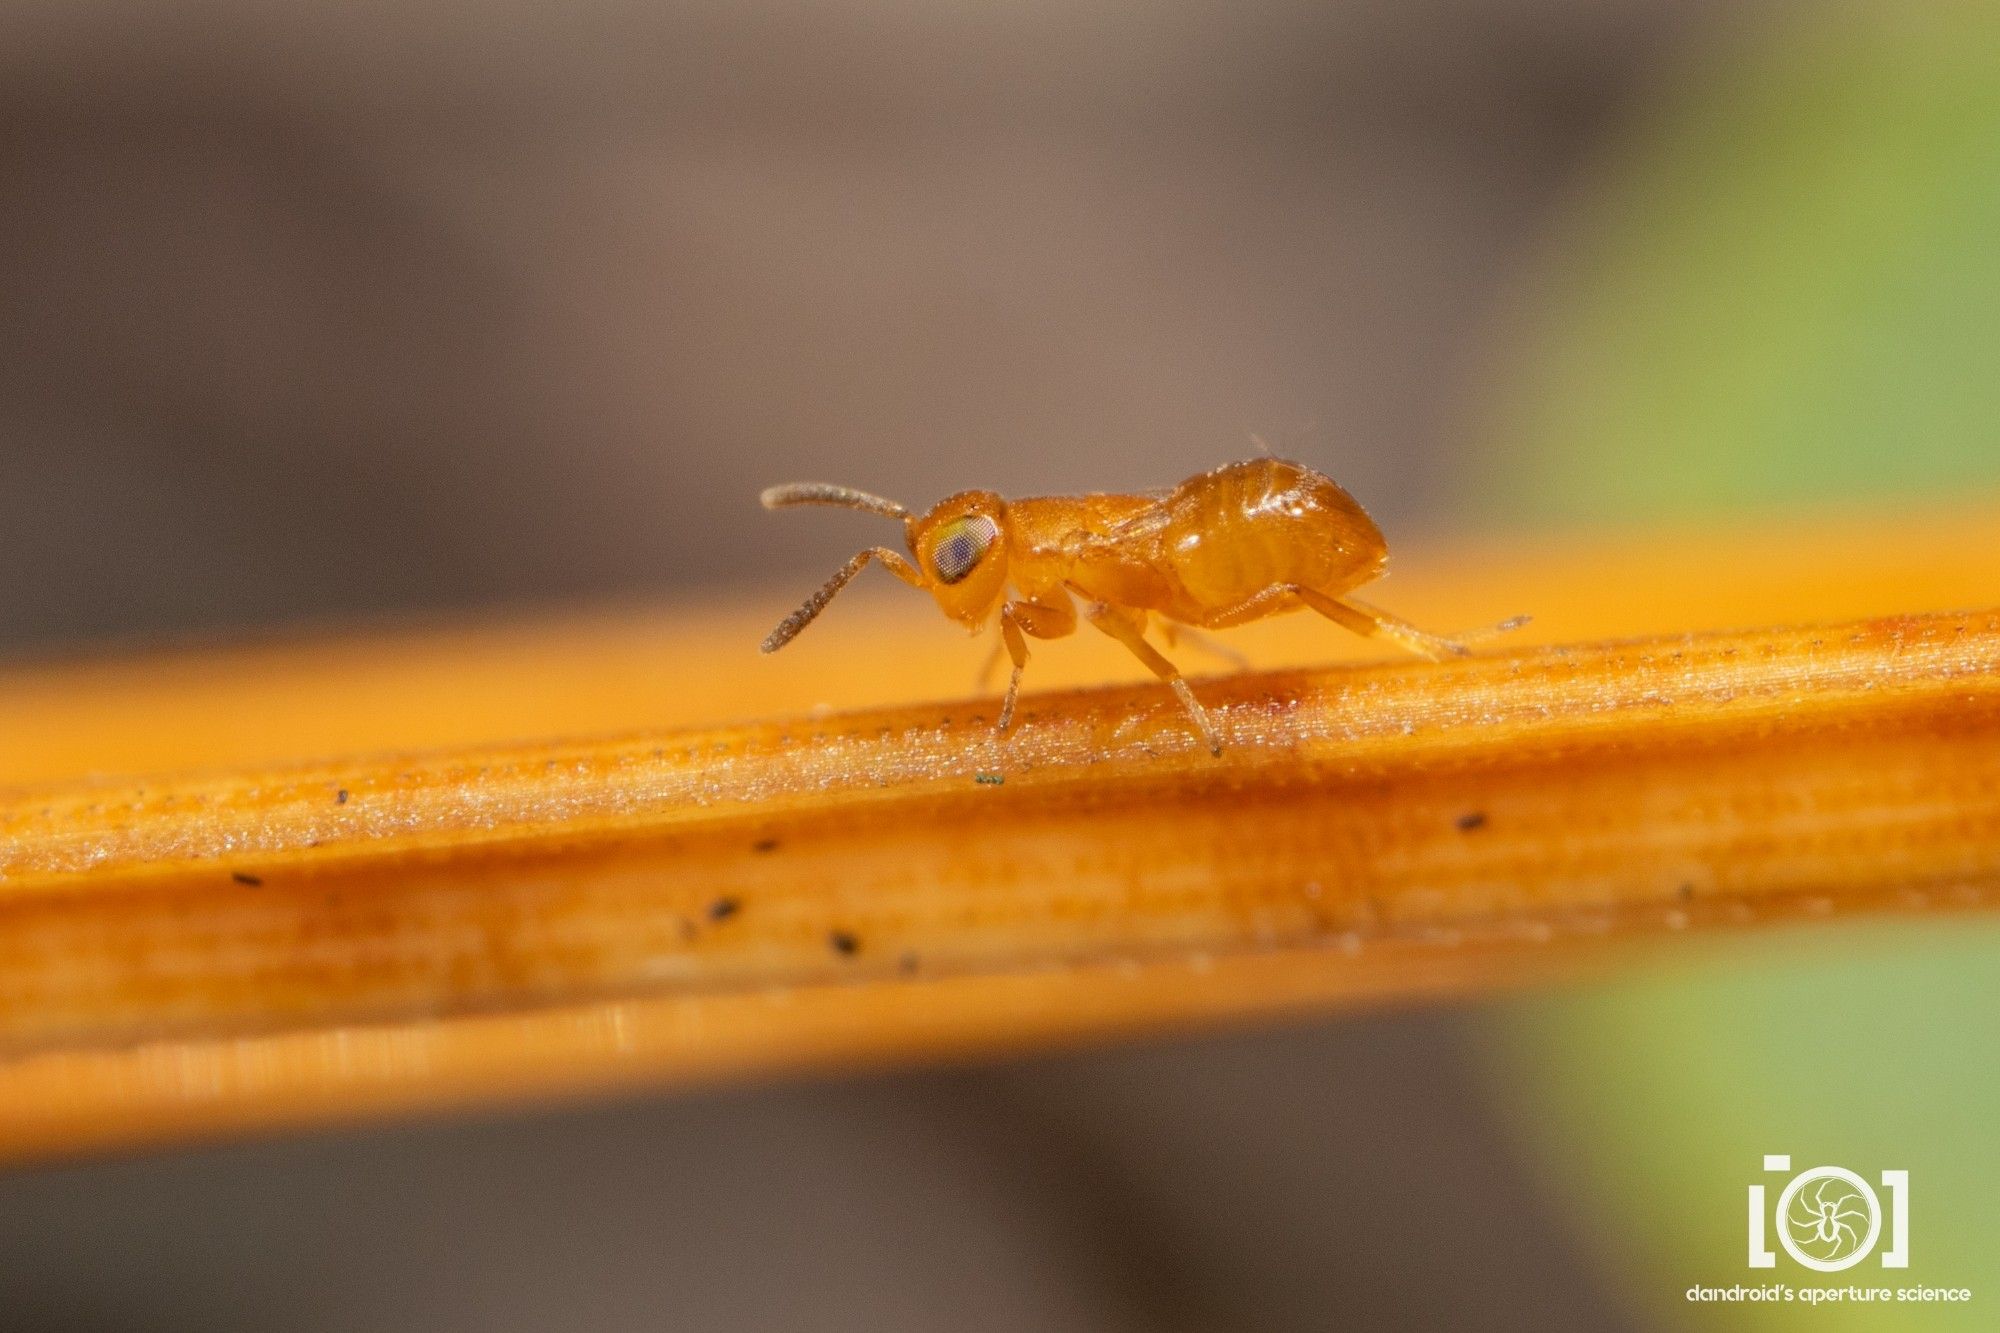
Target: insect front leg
{"x":1130,"y":629}
{"x":1044,"y":620}
{"x":1017,"y":648}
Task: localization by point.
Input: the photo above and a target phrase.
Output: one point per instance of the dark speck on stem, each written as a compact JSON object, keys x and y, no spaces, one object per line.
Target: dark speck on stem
{"x":1472,"y":822}
{"x":844,"y":943}
{"x":724,"y":908}
{"x":764,"y":845}
{"x":989,"y":779}
{"x":251,"y":881}
{"x":340,"y":797}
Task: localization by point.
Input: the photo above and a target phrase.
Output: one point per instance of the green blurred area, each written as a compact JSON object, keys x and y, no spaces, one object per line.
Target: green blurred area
{"x":1785,"y":291}
{"x":1787,"y":288}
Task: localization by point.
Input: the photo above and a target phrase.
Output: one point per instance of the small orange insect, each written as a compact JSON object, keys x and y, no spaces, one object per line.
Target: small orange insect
{"x":1242,"y":542}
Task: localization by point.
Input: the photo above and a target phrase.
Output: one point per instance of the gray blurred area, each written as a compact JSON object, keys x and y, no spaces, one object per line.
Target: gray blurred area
{"x":310,"y":313}
{"x":1341,"y":1178}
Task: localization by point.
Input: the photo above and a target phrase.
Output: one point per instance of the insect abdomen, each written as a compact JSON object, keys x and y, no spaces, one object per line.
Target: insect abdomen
{"x":1248,"y":526}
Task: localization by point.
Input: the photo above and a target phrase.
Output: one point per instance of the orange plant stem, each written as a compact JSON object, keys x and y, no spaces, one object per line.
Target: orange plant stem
{"x":198,"y":954}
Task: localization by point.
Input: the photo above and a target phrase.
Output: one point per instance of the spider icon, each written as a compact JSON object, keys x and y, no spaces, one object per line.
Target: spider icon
{"x":1824,"y":1222}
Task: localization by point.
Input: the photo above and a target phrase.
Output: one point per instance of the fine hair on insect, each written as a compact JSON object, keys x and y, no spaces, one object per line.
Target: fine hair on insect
{"x":1247,"y":540}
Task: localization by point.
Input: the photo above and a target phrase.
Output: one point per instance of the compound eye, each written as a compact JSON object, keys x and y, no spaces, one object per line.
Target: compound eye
{"x":959,"y":546}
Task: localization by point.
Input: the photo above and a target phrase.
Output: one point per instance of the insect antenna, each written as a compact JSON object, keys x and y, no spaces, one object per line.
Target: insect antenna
{"x":825,"y":493}
{"x":788,"y":628}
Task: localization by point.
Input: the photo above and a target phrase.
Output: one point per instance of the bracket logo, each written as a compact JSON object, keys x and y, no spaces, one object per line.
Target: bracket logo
{"x":1828,"y":1218}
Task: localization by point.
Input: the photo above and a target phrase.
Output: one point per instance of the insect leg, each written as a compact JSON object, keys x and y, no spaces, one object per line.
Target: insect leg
{"x":788,"y":628}
{"x":1370,"y":622}
{"x":1017,"y":648}
{"x":1255,"y":607}
{"x":1044,"y":620}
{"x":1120,"y":626}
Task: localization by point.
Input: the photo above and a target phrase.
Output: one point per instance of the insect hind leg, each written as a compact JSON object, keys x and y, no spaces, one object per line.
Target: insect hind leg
{"x":1270,"y":601}
{"x":1372,"y":622}
{"x":1368,"y":621}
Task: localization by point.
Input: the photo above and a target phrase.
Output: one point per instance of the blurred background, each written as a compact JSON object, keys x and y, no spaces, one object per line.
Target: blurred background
{"x":316,"y":315}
